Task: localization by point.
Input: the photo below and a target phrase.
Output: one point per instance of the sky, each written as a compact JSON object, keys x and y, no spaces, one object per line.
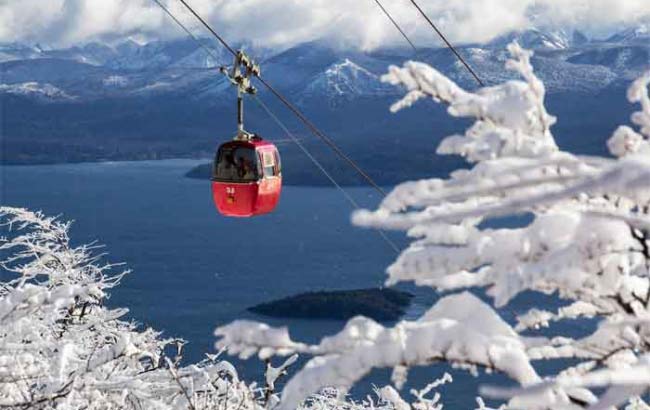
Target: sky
{"x":284,"y":23}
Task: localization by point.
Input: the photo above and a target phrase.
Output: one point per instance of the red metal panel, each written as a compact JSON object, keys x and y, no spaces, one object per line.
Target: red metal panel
{"x":268,"y":195}
{"x":235,"y":199}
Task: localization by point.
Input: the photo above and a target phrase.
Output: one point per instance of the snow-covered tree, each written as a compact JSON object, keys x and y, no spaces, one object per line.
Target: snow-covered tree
{"x":588,"y":243}
{"x":61,"y":347}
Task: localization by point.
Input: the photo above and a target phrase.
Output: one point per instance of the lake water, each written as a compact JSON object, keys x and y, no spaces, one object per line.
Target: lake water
{"x":194,"y":270}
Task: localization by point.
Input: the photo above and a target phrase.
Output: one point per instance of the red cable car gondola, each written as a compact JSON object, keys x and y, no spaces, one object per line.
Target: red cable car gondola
{"x":246,"y":177}
{"x":246,"y":173}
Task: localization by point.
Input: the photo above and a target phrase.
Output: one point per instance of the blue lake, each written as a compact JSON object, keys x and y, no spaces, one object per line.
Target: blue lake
{"x":194,"y":270}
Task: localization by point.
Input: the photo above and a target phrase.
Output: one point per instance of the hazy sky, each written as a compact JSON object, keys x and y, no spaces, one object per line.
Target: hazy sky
{"x":282,"y":23}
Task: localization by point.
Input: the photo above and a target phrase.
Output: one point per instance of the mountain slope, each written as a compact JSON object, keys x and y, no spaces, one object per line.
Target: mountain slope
{"x":167,"y":98}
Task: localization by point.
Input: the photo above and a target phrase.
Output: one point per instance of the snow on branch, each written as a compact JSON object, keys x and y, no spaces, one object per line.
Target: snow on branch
{"x":585,"y":239}
{"x":588,"y":240}
{"x":624,"y":383}
{"x":511,"y":119}
{"x":65,"y":349}
{"x":460,"y":329}
{"x":626,"y":141}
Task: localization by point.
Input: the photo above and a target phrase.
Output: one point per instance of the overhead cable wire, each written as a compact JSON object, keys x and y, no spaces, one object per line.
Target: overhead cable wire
{"x":189,"y":33}
{"x":292,"y":137}
{"x":318,"y":165}
{"x":318,"y":133}
{"x":396,"y":25}
{"x":214,"y":33}
{"x":323,"y":137}
{"x":449,"y":45}
{"x":286,"y":102}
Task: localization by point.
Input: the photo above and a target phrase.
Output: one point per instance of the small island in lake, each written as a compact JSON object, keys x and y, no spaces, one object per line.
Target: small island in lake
{"x":378,"y":304}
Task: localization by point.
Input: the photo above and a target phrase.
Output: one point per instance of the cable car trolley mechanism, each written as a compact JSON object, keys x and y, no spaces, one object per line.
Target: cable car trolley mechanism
{"x":246,"y":172}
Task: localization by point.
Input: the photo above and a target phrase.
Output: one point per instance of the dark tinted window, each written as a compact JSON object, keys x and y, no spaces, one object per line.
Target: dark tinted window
{"x":236,"y":164}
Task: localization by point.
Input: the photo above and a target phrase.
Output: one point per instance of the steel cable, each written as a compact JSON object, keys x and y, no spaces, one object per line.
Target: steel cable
{"x":449,"y":45}
{"x":396,"y":25}
{"x":317,"y":132}
{"x":322,"y":169}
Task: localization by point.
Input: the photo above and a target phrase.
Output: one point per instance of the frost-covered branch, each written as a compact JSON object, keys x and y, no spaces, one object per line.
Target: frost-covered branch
{"x":66,"y":350}
{"x":63,"y":348}
{"x":586,"y":241}
{"x":511,"y":117}
{"x":625,"y":140}
{"x":460,"y":329}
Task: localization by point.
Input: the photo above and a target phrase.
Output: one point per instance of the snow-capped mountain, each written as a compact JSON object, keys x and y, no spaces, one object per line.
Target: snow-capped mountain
{"x":37,"y":90}
{"x":345,"y":80}
{"x":632,"y":34}
{"x":147,"y":95}
{"x":158,"y":55}
{"x":180,"y":66}
{"x":625,"y":60}
{"x":17,"y":51}
{"x":94,"y":53}
{"x":537,"y":39}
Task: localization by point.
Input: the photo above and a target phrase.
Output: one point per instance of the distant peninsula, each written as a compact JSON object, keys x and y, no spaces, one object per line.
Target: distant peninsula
{"x":302,"y":175}
{"x":379,"y":304}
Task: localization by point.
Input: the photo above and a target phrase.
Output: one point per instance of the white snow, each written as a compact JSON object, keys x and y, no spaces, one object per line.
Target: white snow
{"x":344,"y":79}
{"x":588,"y":243}
{"x":459,"y":328}
{"x":45,"y":91}
{"x":117,"y":81}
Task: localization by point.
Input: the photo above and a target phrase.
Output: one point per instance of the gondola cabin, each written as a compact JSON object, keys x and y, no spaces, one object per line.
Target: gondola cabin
{"x":246,"y":177}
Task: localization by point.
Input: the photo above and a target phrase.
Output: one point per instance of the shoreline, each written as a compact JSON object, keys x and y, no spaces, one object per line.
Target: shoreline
{"x":99,"y":161}
{"x":191,"y":163}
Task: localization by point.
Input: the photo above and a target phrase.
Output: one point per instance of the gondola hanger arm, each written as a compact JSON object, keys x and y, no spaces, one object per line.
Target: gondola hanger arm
{"x":243,"y":68}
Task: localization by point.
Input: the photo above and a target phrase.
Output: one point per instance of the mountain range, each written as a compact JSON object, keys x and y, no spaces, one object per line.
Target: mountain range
{"x":168,"y":99}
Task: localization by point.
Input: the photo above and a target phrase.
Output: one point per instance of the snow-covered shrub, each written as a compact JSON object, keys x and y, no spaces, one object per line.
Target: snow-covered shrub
{"x":588,"y":244}
{"x":60,"y":347}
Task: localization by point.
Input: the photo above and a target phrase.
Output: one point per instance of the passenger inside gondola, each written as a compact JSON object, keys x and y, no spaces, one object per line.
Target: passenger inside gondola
{"x":236,"y":165}
{"x":226,"y":167}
